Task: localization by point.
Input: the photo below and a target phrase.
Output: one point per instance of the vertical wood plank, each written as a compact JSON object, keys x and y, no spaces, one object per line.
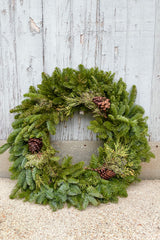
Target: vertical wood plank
{"x":21,"y":54}
{"x":114,"y":22}
{"x":85,"y":47}
{"x":8,"y":70}
{"x":57,"y":17}
{"x":29,"y":45}
{"x":155,"y":99}
{"x":139,"y":49}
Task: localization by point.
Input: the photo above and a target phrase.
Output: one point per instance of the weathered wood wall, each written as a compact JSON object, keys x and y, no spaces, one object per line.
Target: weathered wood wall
{"x":118,"y":35}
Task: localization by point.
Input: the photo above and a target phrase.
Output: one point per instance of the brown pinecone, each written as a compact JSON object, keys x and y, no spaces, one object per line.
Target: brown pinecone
{"x":102,"y":103}
{"x":105,"y":173}
{"x":35,"y":145}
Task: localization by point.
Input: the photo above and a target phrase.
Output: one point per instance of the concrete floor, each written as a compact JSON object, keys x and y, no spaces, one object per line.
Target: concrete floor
{"x":136,"y":217}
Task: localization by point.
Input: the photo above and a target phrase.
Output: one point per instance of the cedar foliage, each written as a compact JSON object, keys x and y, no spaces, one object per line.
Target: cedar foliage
{"x":41,"y":178}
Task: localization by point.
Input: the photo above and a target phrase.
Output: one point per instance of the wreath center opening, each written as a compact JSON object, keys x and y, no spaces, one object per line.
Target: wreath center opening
{"x":73,"y":138}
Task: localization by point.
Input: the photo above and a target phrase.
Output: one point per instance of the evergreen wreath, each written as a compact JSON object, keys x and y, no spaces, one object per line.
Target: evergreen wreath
{"x":44,"y":178}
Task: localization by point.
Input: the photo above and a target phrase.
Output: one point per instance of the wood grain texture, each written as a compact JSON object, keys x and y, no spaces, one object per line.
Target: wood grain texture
{"x":155,"y":96}
{"x":75,"y":129}
{"x":29,"y":43}
{"x":139,"y":49}
{"x":21,"y":52}
{"x":9,"y":86}
{"x":121,"y":36}
{"x":57,"y":34}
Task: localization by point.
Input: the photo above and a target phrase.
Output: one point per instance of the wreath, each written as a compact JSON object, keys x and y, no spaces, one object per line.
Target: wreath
{"x":44,"y":178}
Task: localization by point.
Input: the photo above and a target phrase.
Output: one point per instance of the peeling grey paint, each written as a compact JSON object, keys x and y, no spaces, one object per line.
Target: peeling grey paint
{"x":33,"y":26}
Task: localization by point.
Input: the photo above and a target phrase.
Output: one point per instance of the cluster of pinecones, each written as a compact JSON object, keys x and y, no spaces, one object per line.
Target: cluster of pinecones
{"x":102,"y":103}
{"x":105,"y":173}
{"x":35,"y":145}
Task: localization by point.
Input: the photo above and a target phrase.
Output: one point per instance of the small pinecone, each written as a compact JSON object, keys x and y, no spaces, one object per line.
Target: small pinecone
{"x":105,"y":173}
{"x":102,"y":103}
{"x":35,"y":145}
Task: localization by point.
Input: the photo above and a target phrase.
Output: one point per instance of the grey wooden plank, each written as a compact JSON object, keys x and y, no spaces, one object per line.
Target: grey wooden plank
{"x":113,"y":15}
{"x":139,"y":49}
{"x":9,"y":87}
{"x":155,"y":97}
{"x":29,"y":43}
{"x":86,"y":33}
{"x":57,"y":17}
{"x":21,"y":54}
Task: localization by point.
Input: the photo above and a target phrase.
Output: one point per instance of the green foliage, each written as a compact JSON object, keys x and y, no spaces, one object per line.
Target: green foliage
{"x":41,"y":177}
{"x":40,"y":159}
{"x":132,"y":96}
{"x":51,"y":127}
{"x":4,"y":147}
{"x":116,"y":159}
